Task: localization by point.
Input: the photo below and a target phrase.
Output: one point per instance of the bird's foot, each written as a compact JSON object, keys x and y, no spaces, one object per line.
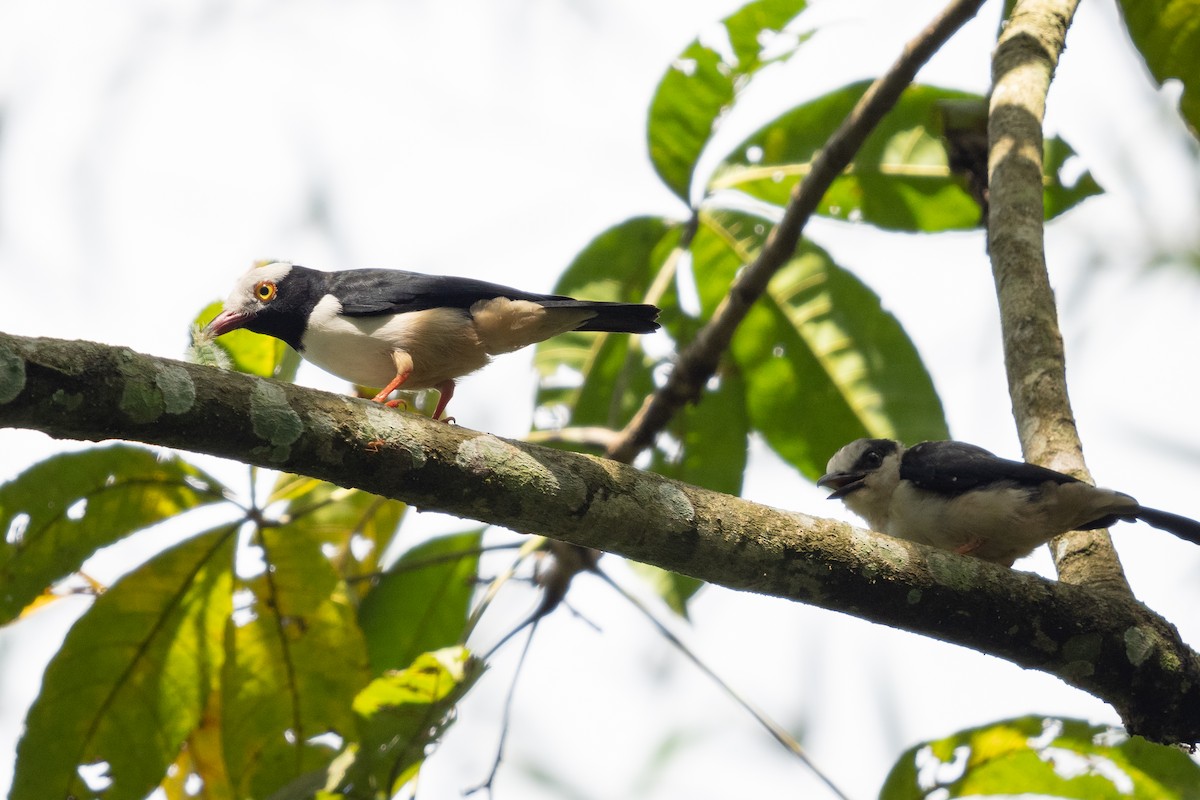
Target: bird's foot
{"x":969,"y":547}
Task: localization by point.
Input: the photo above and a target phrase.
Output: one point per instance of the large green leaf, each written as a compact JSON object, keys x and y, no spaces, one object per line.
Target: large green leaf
{"x":600,"y":379}
{"x":60,"y":511}
{"x":900,"y":179}
{"x":422,"y":603}
{"x":823,"y":363}
{"x":298,"y":661}
{"x":132,"y":677}
{"x":703,"y":82}
{"x":1032,"y":756}
{"x":1168,"y":35}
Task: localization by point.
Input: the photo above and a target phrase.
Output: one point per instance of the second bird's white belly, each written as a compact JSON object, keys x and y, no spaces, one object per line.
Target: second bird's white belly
{"x":1000,"y":524}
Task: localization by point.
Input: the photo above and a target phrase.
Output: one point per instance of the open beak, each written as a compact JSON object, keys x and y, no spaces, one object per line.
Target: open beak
{"x":227,"y":321}
{"x":843,"y":483}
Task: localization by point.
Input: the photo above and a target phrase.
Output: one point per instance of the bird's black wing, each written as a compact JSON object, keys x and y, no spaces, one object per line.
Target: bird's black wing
{"x":956,"y":467}
{"x":372,"y":292}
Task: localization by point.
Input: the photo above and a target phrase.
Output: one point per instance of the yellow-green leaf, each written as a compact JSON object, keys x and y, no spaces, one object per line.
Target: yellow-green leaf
{"x":131,"y":680}
{"x":401,"y":713}
{"x":252,"y":353}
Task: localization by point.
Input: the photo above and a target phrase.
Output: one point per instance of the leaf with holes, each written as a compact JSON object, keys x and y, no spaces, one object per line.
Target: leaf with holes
{"x":59,"y":512}
{"x":131,"y":680}
{"x":357,"y":526}
{"x":1032,"y":755}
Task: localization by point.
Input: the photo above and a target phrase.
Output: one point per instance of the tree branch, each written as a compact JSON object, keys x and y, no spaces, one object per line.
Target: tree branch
{"x":698,"y":362}
{"x":1106,"y":644}
{"x":1022,"y":69}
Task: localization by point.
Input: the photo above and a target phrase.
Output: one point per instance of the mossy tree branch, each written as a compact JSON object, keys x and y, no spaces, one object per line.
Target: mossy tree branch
{"x":1104,"y":643}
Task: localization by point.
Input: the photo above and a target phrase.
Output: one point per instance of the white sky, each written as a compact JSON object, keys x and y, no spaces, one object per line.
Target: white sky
{"x":150,"y":151}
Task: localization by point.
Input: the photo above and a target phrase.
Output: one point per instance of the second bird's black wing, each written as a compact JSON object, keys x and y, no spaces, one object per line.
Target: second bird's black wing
{"x":372,"y":292}
{"x":956,"y":467}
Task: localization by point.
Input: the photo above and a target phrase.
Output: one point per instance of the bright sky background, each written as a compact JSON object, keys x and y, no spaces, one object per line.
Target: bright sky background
{"x":150,"y":151}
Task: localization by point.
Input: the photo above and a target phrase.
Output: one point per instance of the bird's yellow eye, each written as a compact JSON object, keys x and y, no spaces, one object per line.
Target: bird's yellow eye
{"x":265,"y":291}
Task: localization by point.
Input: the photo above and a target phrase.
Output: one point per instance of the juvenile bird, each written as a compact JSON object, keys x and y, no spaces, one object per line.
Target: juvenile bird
{"x":390,"y":328}
{"x":961,"y":497}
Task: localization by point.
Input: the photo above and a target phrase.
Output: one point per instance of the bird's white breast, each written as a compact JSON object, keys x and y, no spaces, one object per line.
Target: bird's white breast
{"x":442,"y":342}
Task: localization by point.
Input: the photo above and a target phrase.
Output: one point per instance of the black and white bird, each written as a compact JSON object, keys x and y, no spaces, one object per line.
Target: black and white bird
{"x":961,"y":497}
{"x":389,"y":328}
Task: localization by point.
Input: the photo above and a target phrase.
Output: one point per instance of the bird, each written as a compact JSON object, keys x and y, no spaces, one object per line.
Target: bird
{"x":392,"y":328}
{"x":961,"y":497}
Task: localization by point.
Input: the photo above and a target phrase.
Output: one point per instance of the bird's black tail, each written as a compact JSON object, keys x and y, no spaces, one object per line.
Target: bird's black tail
{"x":613,"y":317}
{"x":1182,"y":527}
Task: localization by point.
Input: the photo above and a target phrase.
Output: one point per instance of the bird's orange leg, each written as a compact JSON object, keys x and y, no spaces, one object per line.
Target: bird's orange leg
{"x":970,"y":547}
{"x":446,"y":391}
{"x":404,"y":368}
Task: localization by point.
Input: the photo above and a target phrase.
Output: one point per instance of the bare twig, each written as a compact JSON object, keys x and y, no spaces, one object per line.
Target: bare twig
{"x":774,"y":728}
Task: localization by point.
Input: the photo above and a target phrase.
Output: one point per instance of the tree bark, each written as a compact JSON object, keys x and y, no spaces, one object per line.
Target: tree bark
{"x":1022,"y":69}
{"x":1104,"y":643}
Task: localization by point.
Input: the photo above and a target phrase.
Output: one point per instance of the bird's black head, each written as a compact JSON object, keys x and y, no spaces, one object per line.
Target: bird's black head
{"x":847,"y":471}
{"x":275,"y":299}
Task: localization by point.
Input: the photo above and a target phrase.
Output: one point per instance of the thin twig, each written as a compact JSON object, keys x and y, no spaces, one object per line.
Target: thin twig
{"x":506,"y":716}
{"x":774,"y":728}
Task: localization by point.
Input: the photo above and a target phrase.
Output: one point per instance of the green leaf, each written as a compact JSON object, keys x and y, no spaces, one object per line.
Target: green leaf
{"x":252,"y":353}
{"x":900,"y":179}
{"x":1166,"y":34}
{"x":132,"y":677}
{"x":422,"y":603}
{"x":708,"y":440}
{"x":1043,"y":757}
{"x":59,"y":512}
{"x":598,"y":379}
{"x":299,"y":660}
{"x":822,"y":362}
{"x":401,"y":713}
{"x":673,"y":588}
{"x":703,"y":82}
{"x":1058,"y":196}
